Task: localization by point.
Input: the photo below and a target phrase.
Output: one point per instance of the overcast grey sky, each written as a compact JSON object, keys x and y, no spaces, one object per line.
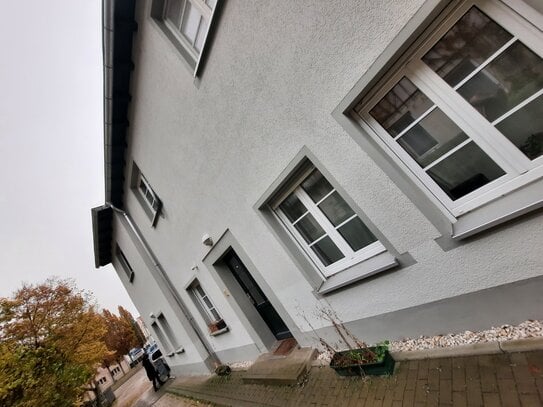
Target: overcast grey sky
{"x":51,"y":139}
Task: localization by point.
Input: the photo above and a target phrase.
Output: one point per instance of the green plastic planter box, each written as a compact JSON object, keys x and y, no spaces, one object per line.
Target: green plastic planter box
{"x":382,"y":367}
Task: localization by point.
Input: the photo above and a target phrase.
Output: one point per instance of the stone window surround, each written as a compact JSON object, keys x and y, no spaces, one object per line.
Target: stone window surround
{"x":388,"y":260}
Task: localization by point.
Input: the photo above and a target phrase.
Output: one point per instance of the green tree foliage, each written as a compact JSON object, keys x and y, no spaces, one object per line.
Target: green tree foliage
{"x":50,"y":344}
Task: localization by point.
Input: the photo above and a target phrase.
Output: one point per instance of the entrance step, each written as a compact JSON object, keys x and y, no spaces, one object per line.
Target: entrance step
{"x":285,"y":346}
{"x":280,"y":370}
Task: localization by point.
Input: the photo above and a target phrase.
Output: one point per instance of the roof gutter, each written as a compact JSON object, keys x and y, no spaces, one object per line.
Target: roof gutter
{"x":118,"y":27}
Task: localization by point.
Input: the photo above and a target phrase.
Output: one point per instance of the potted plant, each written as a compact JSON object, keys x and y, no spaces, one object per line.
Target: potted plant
{"x":359,"y":359}
{"x":373,"y":360}
{"x":217,"y":325}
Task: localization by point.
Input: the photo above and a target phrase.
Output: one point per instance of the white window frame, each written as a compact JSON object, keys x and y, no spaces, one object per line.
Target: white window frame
{"x":351,"y":257}
{"x":201,"y":301}
{"x":520,"y":171}
{"x":146,"y":195}
{"x":193,"y":55}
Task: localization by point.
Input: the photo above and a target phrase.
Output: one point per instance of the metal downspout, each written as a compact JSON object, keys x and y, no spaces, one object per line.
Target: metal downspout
{"x":169,"y":284}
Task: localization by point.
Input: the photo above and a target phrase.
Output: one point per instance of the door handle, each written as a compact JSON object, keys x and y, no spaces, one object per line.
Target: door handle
{"x":250,"y":298}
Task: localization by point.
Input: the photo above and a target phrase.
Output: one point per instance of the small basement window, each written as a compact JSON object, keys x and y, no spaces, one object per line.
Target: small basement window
{"x":124,"y":263}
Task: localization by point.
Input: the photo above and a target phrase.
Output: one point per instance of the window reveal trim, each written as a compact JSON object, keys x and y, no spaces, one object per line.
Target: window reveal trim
{"x":291,"y":175}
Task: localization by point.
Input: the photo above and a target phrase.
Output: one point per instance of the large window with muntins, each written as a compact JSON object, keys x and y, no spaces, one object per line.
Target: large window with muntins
{"x":464,"y":113}
{"x":326,"y":227}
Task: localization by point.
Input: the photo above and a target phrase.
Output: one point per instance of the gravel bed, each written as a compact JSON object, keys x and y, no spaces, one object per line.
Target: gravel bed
{"x":244,"y":365}
{"x":527,"y":329}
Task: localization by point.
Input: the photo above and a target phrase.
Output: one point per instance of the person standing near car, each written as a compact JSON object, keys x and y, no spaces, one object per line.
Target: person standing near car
{"x":152,"y":374}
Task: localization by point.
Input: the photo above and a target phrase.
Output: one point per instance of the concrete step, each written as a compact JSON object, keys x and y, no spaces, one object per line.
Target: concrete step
{"x":280,"y":370}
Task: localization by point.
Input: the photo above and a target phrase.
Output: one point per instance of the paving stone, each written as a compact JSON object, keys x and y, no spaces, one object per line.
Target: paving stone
{"x":413,"y":365}
{"x":530,"y":400}
{"x":508,"y":392}
{"x":518,"y":359}
{"x":459,"y":399}
{"x":388,"y":399}
{"x":491,"y":400}
{"x":495,"y":380}
{"x":380,"y":390}
{"x":423,"y":369}
{"x":474,"y":394}
{"x":445,"y":392}
{"x":446,"y":369}
{"x":399,"y":388}
{"x":539,"y":385}
{"x":488,"y":379}
{"x":459,"y":378}
{"x":433,"y":380}
{"x":527,"y":386}
{"x":421,"y":391}
{"x":433,"y":399}
{"x":408,"y":397}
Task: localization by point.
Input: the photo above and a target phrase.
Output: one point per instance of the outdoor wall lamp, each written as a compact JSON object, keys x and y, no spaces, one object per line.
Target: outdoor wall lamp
{"x":207,"y":240}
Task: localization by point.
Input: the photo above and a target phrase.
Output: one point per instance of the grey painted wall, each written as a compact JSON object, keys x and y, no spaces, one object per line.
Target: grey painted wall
{"x":210,"y":148}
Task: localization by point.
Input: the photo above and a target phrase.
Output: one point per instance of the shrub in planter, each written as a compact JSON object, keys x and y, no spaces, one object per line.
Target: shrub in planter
{"x":223,"y":370}
{"x":374,"y":360}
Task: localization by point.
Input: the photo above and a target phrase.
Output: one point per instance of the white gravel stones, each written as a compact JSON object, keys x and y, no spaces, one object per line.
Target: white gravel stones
{"x":241,"y":365}
{"x":527,"y":329}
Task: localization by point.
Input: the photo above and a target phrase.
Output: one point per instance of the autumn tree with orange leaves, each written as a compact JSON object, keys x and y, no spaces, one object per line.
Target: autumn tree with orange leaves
{"x":120,"y":336}
{"x":50,"y":344}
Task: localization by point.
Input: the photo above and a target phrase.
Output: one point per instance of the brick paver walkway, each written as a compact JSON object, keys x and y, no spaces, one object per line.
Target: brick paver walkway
{"x":491,"y":380}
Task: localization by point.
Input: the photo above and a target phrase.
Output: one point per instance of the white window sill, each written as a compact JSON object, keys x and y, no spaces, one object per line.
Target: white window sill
{"x":219,"y":332}
{"x":507,"y":207}
{"x":365,"y":269}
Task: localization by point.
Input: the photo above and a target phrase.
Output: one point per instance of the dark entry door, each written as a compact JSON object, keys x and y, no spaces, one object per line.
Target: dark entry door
{"x":257,"y":297}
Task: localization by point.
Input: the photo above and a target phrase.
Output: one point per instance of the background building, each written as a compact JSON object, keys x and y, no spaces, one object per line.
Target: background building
{"x":270,"y":163}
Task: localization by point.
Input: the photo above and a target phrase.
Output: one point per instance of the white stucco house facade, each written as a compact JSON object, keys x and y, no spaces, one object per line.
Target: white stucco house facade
{"x":266,"y":161}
